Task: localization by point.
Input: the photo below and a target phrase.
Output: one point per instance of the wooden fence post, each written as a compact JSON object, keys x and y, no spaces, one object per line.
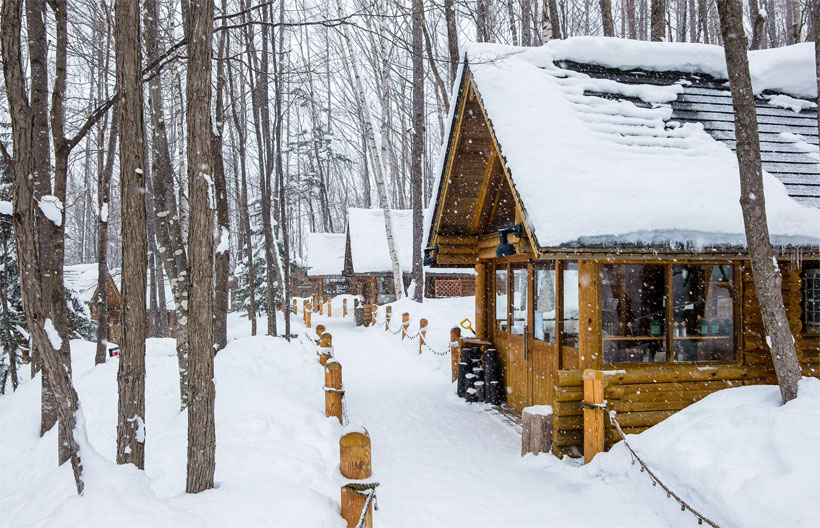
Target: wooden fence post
{"x":422,"y":333}
{"x":330,"y":307}
{"x":455,"y":334}
{"x":320,"y":329}
{"x":388,"y":313}
{"x":308,"y":312}
{"x":321,"y":305}
{"x":325,"y":348}
{"x":294,"y":307}
{"x":405,"y":322}
{"x":354,"y":463}
{"x":593,"y":416}
{"x":344,"y":308}
{"x":333,"y":389}
{"x":374,"y":310}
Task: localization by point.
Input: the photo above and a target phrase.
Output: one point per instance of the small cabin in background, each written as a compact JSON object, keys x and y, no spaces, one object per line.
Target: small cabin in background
{"x":598,"y":204}
{"x":325,"y":262}
{"x":82,"y":280}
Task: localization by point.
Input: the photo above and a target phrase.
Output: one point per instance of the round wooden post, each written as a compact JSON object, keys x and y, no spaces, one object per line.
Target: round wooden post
{"x":354,"y":463}
{"x":333,"y":389}
{"x":405,"y":323}
{"x":593,"y":416}
{"x":330,"y":307}
{"x":320,"y":329}
{"x":455,"y":335}
{"x":374,"y":309}
{"x":294,"y":307}
{"x":344,"y":308}
{"x":388,"y":313}
{"x":308,"y":312}
{"x":422,"y":333}
{"x":325,"y":348}
{"x":321,"y":305}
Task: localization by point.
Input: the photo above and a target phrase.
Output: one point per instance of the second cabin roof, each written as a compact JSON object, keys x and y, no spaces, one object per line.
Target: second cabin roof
{"x":615,"y":142}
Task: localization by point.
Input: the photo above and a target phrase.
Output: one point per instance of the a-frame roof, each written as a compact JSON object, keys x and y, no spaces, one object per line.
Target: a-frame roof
{"x":595,"y":157}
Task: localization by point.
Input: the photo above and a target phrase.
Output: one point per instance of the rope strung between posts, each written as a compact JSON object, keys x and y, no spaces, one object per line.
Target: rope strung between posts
{"x":655,"y":480}
{"x":364,"y":489}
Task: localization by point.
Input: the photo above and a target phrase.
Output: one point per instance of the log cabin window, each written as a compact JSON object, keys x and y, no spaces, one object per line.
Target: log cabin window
{"x":518,"y":307}
{"x":633,"y":313}
{"x":501,"y":322}
{"x":569,"y":307}
{"x":811,"y":298}
{"x":384,"y":290}
{"x":703,"y":314}
{"x":544,"y":302}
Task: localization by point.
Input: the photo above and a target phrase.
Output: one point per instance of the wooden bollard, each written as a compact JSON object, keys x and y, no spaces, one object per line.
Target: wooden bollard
{"x":455,"y":334}
{"x":405,"y":322}
{"x":344,"y":308}
{"x":294,"y":307}
{"x":320,"y":329}
{"x":388,"y":313}
{"x":422,"y":333}
{"x":330,"y":307}
{"x":308,"y":313}
{"x":321,"y":305}
{"x":593,"y":417}
{"x":325,"y":348}
{"x":333,"y":389}
{"x":354,"y":463}
{"x":374,"y":309}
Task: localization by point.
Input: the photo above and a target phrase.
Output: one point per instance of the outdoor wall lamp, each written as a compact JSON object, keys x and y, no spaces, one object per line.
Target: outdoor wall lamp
{"x":505,"y":249}
{"x":430,"y":255}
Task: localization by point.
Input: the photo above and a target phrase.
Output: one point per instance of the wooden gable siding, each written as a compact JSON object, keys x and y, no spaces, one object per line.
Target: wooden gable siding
{"x":708,"y":101}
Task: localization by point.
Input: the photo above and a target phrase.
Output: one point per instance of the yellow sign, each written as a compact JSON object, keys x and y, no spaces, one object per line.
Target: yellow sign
{"x":467,"y":325}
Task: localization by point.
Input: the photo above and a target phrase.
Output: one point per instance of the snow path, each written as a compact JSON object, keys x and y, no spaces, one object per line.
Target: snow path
{"x":443,"y":462}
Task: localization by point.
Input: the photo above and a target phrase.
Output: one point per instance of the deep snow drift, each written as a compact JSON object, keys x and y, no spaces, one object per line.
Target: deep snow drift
{"x":738,"y":456}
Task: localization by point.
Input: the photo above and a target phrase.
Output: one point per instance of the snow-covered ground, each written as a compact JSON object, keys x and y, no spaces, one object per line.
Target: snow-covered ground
{"x":738,"y":456}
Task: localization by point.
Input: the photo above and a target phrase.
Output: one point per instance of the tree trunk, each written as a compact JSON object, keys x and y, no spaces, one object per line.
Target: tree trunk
{"x":279,"y":67}
{"x":526,"y":22}
{"x":103,"y":210}
{"x":201,"y":435}
{"x":452,"y":37}
{"x":417,"y":154}
{"x":793,"y":21}
{"x":606,"y":18}
{"x":27,"y":215}
{"x":758,"y":24}
{"x":482,"y":15}
{"x":703,"y":21}
{"x":8,"y":338}
{"x":767,"y":278}
{"x":131,"y":373}
{"x":222,"y":258}
{"x":658,"y":29}
{"x":167,"y":216}
{"x":513,"y":25}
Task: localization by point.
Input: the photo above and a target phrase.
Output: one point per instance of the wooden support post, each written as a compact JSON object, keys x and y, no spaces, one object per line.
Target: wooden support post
{"x":333,"y":389}
{"x":405,"y":322}
{"x":344,"y":308}
{"x":481,"y":301}
{"x":536,"y":433}
{"x":330,"y":307}
{"x":354,"y":464}
{"x":325,"y":348}
{"x":308,"y":312}
{"x":294,"y":307}
{"x":388,"y":313}
{"x":455,"y":335}
{"x":422,"y":333}
{"x":321,"y":305}
{"x":593,"y":417}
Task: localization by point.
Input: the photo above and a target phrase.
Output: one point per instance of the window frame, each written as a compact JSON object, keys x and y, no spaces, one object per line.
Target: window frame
{"x":499,"y":266}
{"x":737,"y":321}
{"x":814,"y":329}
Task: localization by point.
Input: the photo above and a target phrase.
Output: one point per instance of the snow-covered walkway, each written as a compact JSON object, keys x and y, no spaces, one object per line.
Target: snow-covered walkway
{"x":443,"y":462}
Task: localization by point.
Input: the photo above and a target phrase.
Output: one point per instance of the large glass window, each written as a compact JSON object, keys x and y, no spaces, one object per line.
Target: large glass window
{"x":633,"y":315}
{"x":544,"y":302}
{"x":703,"y":312}
{"x":811,"y":298}
{"x":519,"y":301}
{"x":569,"y":321}
{"x":501,"y":322}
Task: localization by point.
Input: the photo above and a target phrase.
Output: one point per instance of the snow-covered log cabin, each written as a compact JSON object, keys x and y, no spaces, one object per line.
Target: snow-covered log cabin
{"x":592,"y":185}
{"x":325,"y":261}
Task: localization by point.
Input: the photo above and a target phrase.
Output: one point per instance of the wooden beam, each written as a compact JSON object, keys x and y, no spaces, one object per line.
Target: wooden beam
{"x":482,"y":195}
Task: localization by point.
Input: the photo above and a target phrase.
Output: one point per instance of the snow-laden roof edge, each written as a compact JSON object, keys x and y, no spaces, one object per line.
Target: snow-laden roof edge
{"x":325,"y":254}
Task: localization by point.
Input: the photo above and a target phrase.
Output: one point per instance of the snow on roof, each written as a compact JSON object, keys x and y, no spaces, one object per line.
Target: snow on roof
{"x":81,"y":279}
{"x":325,"y":254}
{"x":588,"y":167}
{"x":368,"y":242}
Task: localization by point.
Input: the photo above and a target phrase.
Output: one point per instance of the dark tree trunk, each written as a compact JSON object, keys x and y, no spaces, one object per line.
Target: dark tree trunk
{"x":767,"y":278}
{"x":167,"y":216}
{"x":482,"y":30}
{"x":131,"y":372}
{"x":201,"y":434}
{"x":658,"y":29}
{"x":526,"y":22}
{"x":606,"y":18}
{"x":222,"y":258}
{"x":452,"y":37}
{"x":103,"y":205}
{"x":758,"y":25}
{"x":417,"y":149}
{"x":279,"y":66}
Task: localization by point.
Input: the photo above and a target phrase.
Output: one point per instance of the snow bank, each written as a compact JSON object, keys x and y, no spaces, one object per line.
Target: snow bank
{"x":739,"y":456}
{"x":276,"y":452}
{"x":645,"y":178}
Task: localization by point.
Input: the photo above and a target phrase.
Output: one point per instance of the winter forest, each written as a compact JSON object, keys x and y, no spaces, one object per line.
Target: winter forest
{"x":164,"y":164}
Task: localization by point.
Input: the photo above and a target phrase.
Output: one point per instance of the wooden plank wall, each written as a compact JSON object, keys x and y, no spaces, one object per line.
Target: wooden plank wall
{"x":645,"y":395}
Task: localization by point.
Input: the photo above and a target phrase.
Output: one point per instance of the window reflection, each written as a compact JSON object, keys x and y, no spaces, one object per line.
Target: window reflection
{"x":569,"y":322}
{"x":703,"y":312}
{"x":544,"y":302}
{"x":519,"y":301}
{"x":501,"y":299}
